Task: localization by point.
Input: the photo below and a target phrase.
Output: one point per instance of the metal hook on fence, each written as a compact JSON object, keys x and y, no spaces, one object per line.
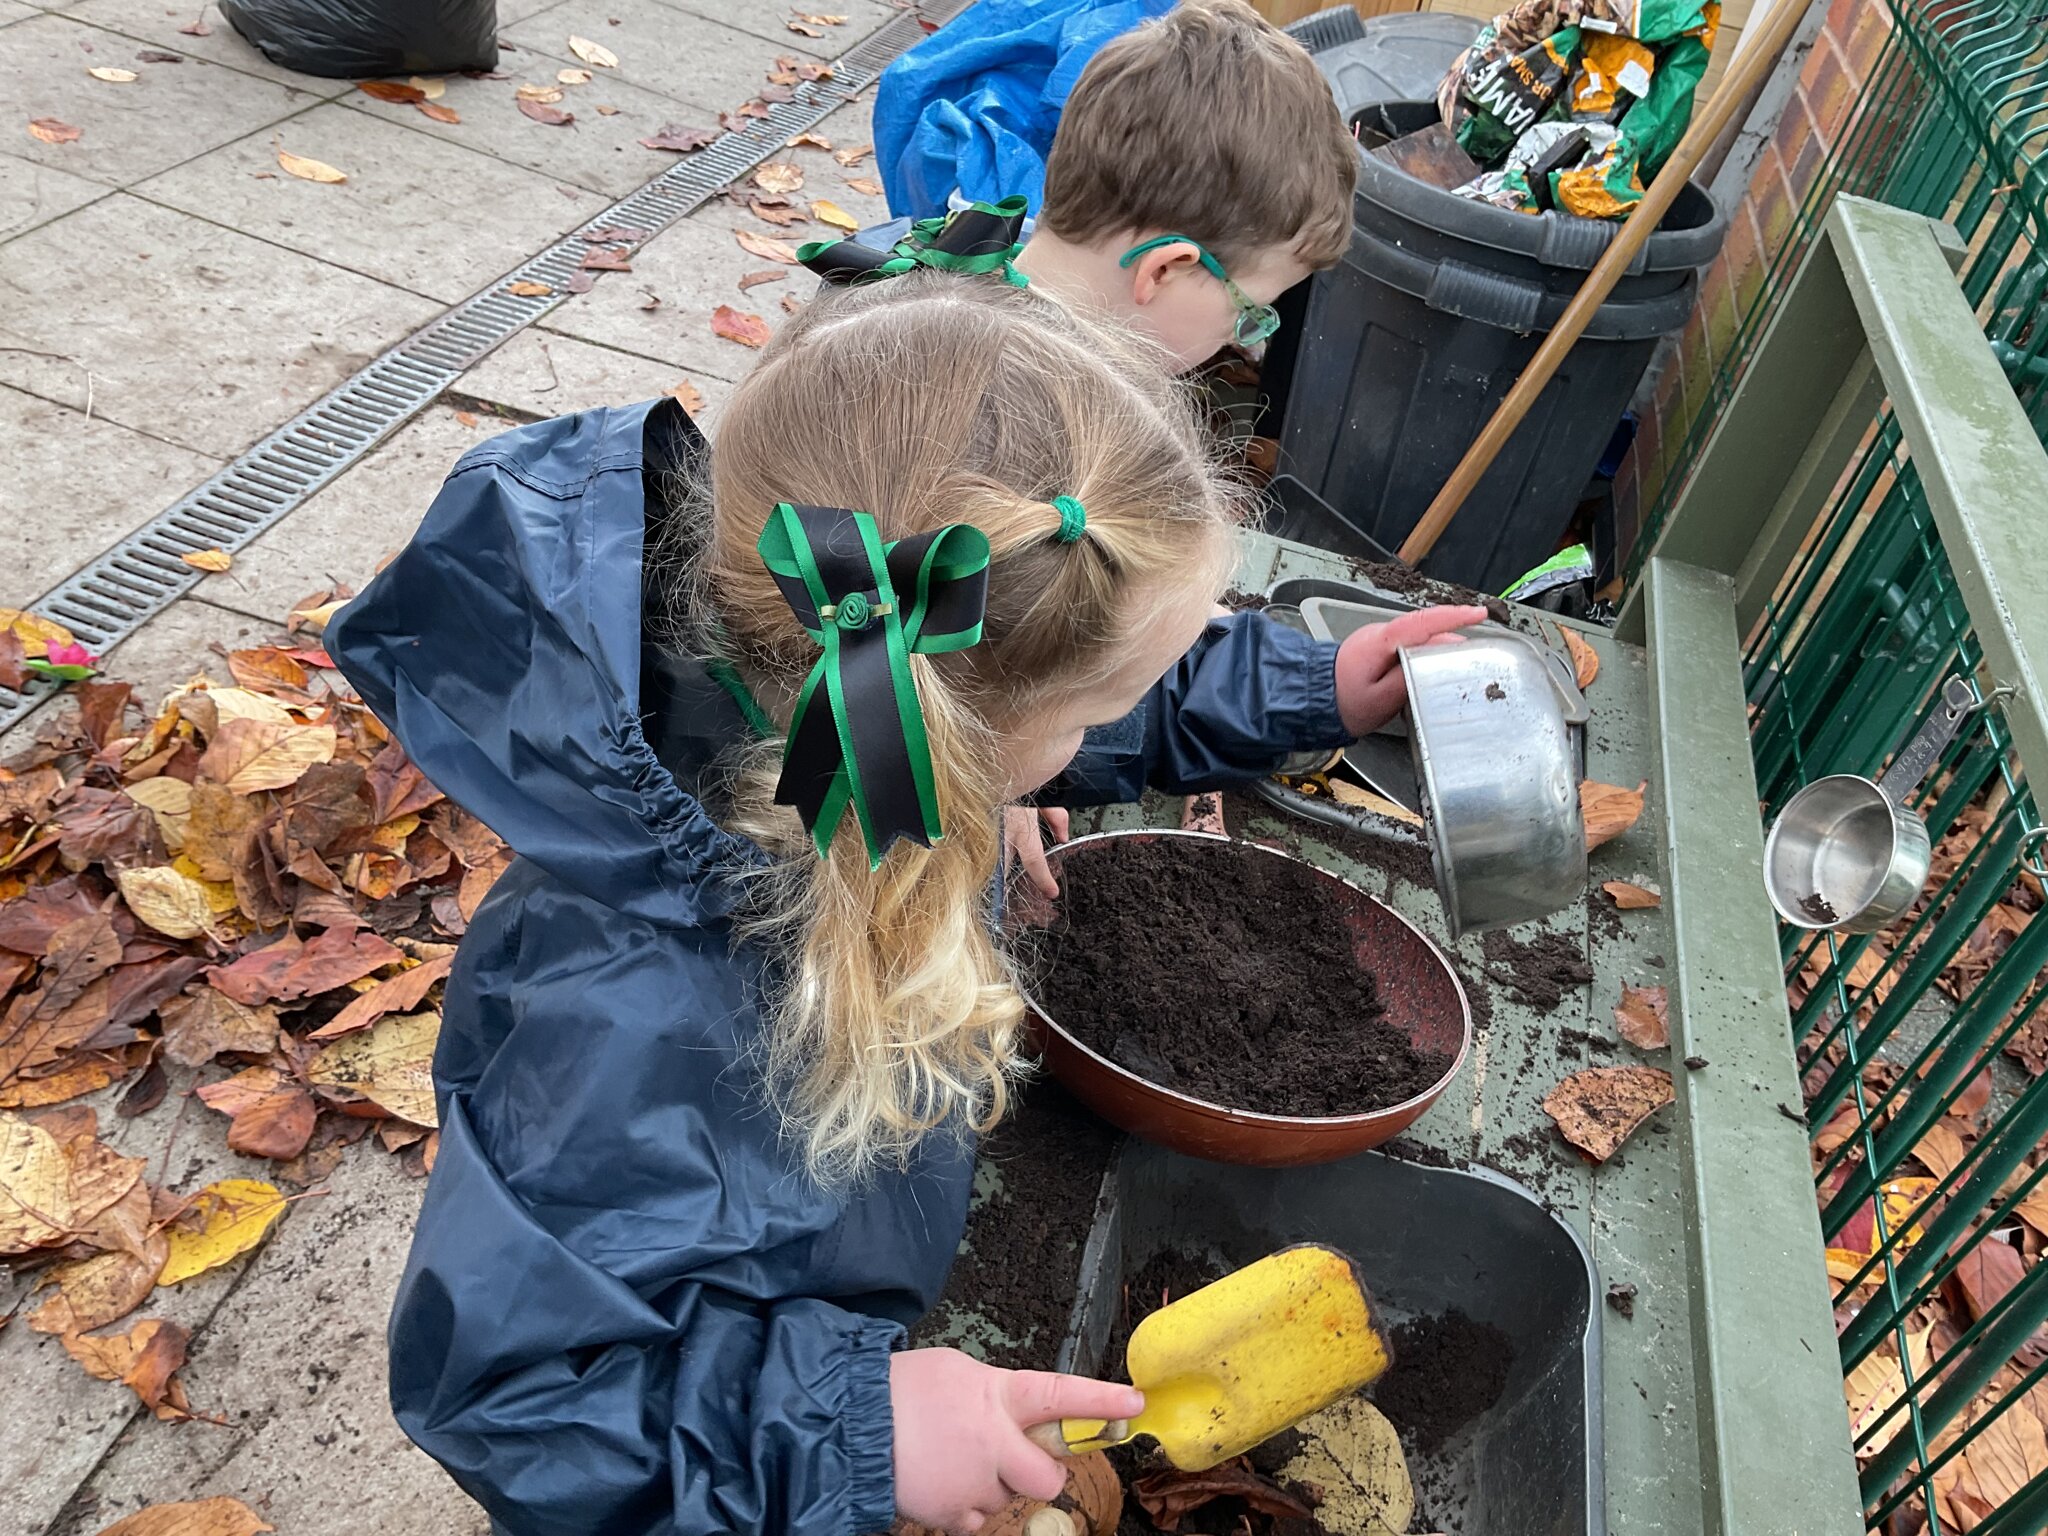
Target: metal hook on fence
{"x":2031,"y":844}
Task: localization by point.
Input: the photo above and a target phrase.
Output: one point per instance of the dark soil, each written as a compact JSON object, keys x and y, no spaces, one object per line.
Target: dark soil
{"x":1495,"y":691}
{"x":1406,"y":581}
{"x":1448,"y":1370}
{"x":1540,"y":971}
{"x":1021,"y":1260}
{"x":1244,"y":602}
{"x":1817,"y":907}
{"x":1227,"y":974}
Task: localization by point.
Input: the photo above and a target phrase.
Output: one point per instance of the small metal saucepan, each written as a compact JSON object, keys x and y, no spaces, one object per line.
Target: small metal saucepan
{"x":1846,"y":853}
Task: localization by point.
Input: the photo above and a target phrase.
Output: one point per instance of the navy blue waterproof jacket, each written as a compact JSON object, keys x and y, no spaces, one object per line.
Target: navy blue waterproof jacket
{"x":625,"y":1311}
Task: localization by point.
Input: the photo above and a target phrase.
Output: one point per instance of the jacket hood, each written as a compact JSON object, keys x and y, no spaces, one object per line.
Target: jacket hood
{"x":503,"y":647}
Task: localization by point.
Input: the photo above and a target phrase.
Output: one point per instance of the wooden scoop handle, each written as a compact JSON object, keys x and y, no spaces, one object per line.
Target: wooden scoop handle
{"x":1052,"y":1436}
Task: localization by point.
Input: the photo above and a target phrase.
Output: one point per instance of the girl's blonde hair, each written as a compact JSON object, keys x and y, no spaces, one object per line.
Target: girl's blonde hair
{"x":925,"y":400}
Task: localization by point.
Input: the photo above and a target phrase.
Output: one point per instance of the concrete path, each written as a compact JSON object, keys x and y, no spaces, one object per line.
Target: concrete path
{"x":167,"y":297}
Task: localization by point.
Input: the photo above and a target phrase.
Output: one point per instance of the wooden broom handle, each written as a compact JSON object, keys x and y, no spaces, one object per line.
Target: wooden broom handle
{"x":1744,"y":74}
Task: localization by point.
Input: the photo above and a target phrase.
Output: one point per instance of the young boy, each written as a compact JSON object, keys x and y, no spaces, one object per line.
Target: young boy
{"x":1200,"y":170}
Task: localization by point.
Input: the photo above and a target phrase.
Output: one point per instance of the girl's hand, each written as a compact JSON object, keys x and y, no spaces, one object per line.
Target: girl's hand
{"x":960,"y":1446}
{"x":1370,"y":689}
{"x":1022,"y":842}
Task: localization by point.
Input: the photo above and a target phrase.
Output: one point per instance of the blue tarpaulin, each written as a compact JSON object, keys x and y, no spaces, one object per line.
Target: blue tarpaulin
{"x":973,"y":107}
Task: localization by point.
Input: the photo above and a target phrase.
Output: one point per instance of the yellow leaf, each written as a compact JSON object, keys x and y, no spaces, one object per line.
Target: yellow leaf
{"x":194,"y":1517}
{"x":36,"y":635}
{"x":209,"y":560}
{"x":235,"y":1213}
{"x":433,"y":90}
{"x":593,"y":53}
{"x":519,"y":290}
{"x":391,"y":1064}
{"x":220,"y":894}
{"x":112,"y":76}
{"x":828,"y":212}
{"x":573,"y":76}
{"x":779,"y":177}
{"x":250,"y":755}
{"x":174,"y":904}
{"x":51,"y":1189}
{"x":246,"y":704}
{"x":309,"y":170}
{"x":170,"y":801}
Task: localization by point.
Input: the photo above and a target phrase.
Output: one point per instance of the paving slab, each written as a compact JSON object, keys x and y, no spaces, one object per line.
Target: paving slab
{"x":167,"y":115}
{"x":597,"y":152}
{"x":191,"y":331}
{"x":11,"y":11}
{"x":72,"y":486}
{"x":422,"y":213}
{"x":32,"y":194}
{"x":295,"y":1360}
{"x":692,"y":59}
{"x":61,"y":1421}
{"x":342,"y":533}
{"x":160,"y":24}
{"x":547,"y":375}
{"x":174,"y":647}
{"x":771,"y":18}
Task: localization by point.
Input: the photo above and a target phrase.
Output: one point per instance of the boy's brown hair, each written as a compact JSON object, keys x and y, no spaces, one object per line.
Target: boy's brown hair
{"x":1208,"y":122}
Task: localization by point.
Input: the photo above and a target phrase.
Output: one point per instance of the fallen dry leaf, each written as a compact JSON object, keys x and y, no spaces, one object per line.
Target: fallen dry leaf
{"x":113,"y":76}
{"x":526,"y":289}
{"x":144,"y":1359}
{"x":392,"y":1065}
{"x":593,"y":53}
{"x":804,"y":29}
{"x":440,"y":114}
{"x":174,"y":904}
{"x":1640,"y":1018}
{"x":547,"y":95}
{"x":573,"y":76}
{"x":2009,"y":1450}
{"x":1940,"y":1150}
{"x":1631,"y":898}
{"x":1170,"y":1495}
{"x":687,"y":395}
{"x":269,"y":1112}
{"x":598,"y":259}
{"x":828,"y":212}
{"x":251,"y":755}
{"x":866,"y":186}
{"x":1609,"y":810}
{"x":778,"y":177}
{"x":684,"y":140}
{"x":158,"y":56}
{"x":37,"y":634}
{"x":386,"y":90}
{"x":51,"y":131}
{"x":604,"y":111}
{"x":541,"y":112}
{"x":91,"y":1293}
{"x":197,"y":28}
{"x":779,"y":211}
{"x":1600,"y":1108}
{"x":205,"y":1022}
{"x":308,"y":170}
{"x":408,"y":989}
{"x":292,"y":969}
{"x":209,"y":560}
{"x":767,"y":247}
{"x":791,"y":303}
{"x":808,"y":141}
{"x":736,"y":325}
{"x":853,"y":154}
{"x":52,"y":1189}
{"x":432,"y":89}
{"x":1878,"y":1382}
{"x":194,"y":1517}
{"x":268,"y":668}
{"x":1585,"y":660}
{"x":234,"y":1214}
{"x":820,"y":21}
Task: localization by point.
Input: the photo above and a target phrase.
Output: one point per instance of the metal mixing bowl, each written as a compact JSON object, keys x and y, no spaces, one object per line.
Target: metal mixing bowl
{"x":1499,"y":780}
{"x":1417,"y":986}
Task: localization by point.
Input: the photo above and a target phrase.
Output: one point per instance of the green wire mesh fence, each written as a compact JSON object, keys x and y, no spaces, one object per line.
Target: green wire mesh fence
{"x":1925,"y":1046}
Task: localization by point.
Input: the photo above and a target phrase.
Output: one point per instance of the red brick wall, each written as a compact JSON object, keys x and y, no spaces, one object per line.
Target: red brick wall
{"x":1813,"y":120}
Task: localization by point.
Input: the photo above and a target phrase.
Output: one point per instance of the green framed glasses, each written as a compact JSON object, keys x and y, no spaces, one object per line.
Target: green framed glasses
{"x":1255,"y":321}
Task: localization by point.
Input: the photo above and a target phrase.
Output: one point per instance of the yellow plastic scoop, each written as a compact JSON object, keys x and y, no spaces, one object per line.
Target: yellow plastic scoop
{"x":1231,"y":1365}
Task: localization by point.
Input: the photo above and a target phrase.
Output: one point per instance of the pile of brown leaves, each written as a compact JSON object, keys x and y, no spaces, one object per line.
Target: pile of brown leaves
{"x":251,"y":897}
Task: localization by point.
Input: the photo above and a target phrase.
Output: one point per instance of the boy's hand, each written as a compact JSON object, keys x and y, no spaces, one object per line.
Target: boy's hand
{"x":1370,"y":689}
{"x":1022,"y":843}
{"x":960,"y":1446}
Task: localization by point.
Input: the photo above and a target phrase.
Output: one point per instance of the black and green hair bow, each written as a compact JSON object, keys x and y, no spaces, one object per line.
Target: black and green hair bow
{"x":982,"y":237}
{"x":857,"y":733}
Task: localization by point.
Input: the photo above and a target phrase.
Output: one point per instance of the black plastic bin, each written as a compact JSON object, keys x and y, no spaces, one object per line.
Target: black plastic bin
{"x":1390,"y":364}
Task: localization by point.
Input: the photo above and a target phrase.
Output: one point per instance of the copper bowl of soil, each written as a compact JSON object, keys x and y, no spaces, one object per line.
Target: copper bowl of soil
{"x":1230,"y":1001}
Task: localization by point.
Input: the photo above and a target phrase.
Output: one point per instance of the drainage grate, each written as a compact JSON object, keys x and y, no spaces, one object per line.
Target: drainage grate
{"x":143,"y":574}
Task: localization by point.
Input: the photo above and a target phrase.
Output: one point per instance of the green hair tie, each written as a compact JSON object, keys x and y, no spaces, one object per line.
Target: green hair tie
{"x":1073,"y":519}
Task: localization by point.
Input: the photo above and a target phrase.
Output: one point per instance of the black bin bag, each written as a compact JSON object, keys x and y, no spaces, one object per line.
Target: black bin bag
{"x":360,"y":39}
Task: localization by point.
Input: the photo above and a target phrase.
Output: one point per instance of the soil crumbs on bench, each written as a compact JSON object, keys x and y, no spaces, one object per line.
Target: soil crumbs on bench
{"x":1227,"y":974}
{"x":1012,"y":1287}
{"x":1540,"y":971}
